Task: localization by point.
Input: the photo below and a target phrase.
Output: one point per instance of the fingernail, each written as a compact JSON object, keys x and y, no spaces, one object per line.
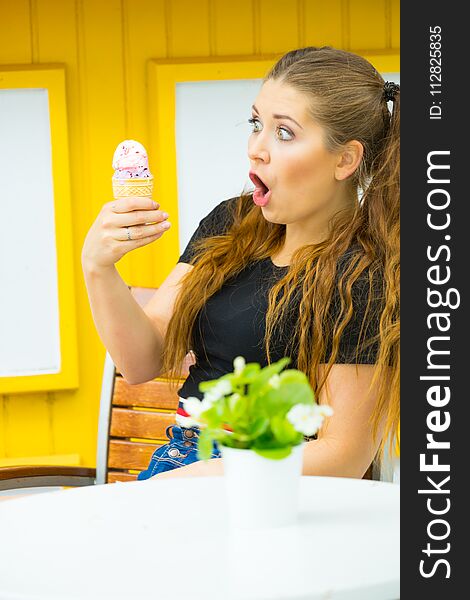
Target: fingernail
{"x":166,"y":225}
{"x":165,"y":215}
{"x":155,"y":205}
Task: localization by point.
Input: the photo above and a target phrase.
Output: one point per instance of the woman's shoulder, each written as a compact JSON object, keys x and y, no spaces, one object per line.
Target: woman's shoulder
{"x":225,"y":206}
{"x":220,"y":217}
{"x":216,"y":222}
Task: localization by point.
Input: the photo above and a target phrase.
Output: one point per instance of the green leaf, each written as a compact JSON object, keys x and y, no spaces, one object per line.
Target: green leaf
{"x":258,"y":427}
{"x":233,"y":442}
{"x":250,"y":371}
{"x":239,"y":410}
{"x":212,"y":417}
{"x":284,"y":431}
{"x":276,"y":401}
{"x":205,"y":444}
{"x":232,"y":401}
{"x":266,"y":374}
{"x":296,"y":393}
{"x":273,"y":453}
{"x":293,"y":376}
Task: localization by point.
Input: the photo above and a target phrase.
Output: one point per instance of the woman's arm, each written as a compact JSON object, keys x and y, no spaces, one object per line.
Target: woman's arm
{"x":344,"y":447}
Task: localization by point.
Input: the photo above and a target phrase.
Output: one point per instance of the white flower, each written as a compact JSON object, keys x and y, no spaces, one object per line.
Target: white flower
{"x":239,"y":364}
{"x":221,"y":388}
{"x":323,"y":409}
{"x":308,"y":419}
{"x":275,"y":381}
{"x":193,"y":406}
{"x":224,"y":387}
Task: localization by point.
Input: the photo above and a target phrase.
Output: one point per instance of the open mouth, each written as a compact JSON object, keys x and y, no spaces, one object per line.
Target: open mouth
{"x":262,"y":193}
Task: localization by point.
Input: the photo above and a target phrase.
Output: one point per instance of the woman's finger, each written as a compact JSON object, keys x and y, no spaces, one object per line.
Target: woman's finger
{"x":130,"y":203}
{"x":130,"y":245}
{"x":135,"y":218}
{"x":138,"y":232}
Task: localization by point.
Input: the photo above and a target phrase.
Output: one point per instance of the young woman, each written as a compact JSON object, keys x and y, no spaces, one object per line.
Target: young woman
{"x":306,"y":266}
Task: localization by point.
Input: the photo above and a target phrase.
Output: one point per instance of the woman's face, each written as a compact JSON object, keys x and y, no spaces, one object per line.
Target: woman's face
{"x":287,"y":153}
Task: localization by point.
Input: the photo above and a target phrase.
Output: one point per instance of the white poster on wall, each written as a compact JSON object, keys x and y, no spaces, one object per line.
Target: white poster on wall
{"x":29,"y":306}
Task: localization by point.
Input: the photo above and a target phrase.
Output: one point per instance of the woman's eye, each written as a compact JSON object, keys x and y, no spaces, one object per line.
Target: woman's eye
{"x":255,"y":124}
{"x":284,"y":134}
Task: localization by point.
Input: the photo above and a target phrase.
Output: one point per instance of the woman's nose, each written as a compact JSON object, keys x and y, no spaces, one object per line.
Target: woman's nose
{"x":257,"y":149}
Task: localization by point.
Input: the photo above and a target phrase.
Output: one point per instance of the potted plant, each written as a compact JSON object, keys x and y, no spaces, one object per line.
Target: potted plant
{"x":259,"y":417}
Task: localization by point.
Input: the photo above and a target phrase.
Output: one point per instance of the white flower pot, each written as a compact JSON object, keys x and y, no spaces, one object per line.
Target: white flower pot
{"x":262,"y":492}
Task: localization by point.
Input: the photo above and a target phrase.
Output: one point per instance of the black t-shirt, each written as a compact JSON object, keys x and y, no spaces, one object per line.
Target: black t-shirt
{"x":232,"y":322}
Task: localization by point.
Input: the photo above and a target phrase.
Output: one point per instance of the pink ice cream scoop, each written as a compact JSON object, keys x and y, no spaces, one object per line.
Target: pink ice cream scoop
{"x":132,"y":176}
{"x":130,"y":160}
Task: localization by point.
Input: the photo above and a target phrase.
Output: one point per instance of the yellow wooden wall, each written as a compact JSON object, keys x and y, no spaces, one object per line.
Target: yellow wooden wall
{"x":105,"y":45}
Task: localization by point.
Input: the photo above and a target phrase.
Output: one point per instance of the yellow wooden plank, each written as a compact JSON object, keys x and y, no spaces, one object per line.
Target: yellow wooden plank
{"x":65,"y":460}
{"x":27,"y":421}
{"x":142,"y":39}
{"x":103,"y":95}
{"x":395,"y":23}
{"x":233,"y":27}
{"x":3,"y":401}
{"x":74,"y":415}
{"x":188,"y":28}
{"x":59,"y":18}
{"x":101,"y":37}
{"x":367,"y":26}
{"x":323,"y":23}
{"x":279,"y":30}
{"x":384,"y":63}
{"x":15,"y":32}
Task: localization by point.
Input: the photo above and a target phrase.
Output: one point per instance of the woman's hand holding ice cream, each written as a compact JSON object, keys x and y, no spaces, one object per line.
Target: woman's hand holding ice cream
{"x":131,"y":220}
{"x":108,"y":238}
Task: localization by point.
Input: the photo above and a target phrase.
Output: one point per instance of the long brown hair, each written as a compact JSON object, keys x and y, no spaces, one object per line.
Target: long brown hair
{"x":347,"y":99}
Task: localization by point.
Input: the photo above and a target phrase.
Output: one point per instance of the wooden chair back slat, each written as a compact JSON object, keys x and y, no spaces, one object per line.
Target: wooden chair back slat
{"x":151,"y":394}
{"x":130,"y":455}
{"x":114,"y":476}
{"x":128,"y":423}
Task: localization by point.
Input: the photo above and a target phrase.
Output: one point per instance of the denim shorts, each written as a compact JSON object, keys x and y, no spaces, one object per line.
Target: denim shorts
{"x":180,"y":450}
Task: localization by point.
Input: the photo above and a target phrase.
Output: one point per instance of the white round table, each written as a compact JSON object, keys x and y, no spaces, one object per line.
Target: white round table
{"x":169,"y":539}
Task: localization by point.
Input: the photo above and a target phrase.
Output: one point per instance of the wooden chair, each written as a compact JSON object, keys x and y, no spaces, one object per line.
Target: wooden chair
{"x":132,"y":423}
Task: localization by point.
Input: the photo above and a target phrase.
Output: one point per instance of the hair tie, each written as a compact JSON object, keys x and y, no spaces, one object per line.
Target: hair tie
{"x":390,"y":90}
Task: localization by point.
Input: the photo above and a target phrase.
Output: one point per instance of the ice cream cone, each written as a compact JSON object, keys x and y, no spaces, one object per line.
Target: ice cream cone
{"x":137,"y":186}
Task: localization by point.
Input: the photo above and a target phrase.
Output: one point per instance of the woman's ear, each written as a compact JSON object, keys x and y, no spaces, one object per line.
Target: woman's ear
{"x":348,"y":160}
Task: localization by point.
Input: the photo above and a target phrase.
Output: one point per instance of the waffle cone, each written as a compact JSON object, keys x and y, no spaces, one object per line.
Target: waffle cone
{"x":133,"y":187}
